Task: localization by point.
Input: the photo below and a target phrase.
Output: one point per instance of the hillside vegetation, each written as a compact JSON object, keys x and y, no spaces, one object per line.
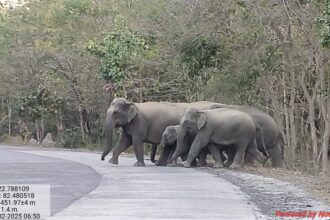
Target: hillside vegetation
{"x":63,"y":61}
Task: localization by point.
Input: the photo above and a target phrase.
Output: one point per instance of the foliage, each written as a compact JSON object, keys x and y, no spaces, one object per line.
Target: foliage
{"x":40,"y":103}
{"x":324,"y":24}
{"x":117,"y":50}
{"x":72,"y":138}
{"x":268,"y":54}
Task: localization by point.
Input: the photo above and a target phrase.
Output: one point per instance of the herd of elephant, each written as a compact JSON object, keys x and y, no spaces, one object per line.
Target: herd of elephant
{"x":232,"y":134}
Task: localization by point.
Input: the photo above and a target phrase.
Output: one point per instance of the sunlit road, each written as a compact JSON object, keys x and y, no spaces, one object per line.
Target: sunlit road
{"x":123,"y":191}
{"x":67,"y":179}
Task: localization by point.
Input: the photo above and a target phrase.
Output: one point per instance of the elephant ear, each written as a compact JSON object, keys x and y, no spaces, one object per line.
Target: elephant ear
{"x":132,"y":112}
{"x":201,"y":120}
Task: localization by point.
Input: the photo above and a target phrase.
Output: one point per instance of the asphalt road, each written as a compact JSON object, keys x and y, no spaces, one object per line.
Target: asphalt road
{"x":67,"y":179}
{"x":83,"y":187}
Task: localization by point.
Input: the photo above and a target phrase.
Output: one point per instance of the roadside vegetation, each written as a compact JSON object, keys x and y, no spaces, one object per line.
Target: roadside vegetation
{"x":63,"y":61}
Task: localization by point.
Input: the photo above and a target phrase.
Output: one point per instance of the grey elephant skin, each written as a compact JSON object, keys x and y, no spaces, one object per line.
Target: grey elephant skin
{"x":219,"y":127}
{"x":169,"y":142}
{"x":141,"y":123}
{"x":168,"y":146}
{"x":269,"y":135}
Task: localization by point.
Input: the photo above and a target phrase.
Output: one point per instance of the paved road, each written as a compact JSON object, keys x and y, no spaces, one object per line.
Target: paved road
{"x":124,"y":191}
{"x":90,"y":189}
{"x":66,"y":187}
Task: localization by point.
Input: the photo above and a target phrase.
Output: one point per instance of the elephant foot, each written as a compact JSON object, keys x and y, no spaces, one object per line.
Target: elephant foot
{"x":139,"y":164}
{"x":113,"y":160}
{"x":158,"y":163}
{"x":186,"y":164}
{"x":194,"y":163}
{"x":218,"y":165}
{"x":202,"y":164}
{"x":235,"y":166}
{"x":174,"y":165}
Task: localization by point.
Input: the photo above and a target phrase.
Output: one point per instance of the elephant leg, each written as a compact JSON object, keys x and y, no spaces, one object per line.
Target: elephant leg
{"x":239,"y":156}
{"x":194,"y":163}
{"x":231,"y":151}
{"x":153,"y":152}
{"x":124,"y":143}
{"x":276,"y":156}
{"x":202,"y":158}
{"x":184,"y":158}
{"x":256,"y":153}
{"x":170,"y":155}
{"x":165,"y":156}
{"x":216,"y":155}
{"x":248,"y":159}
{"x":139,"y":153}
{"x":200,"y":141}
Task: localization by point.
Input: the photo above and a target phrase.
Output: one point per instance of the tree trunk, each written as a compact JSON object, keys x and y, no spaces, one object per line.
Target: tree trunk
{"x":325,"y":112}
{"x":311,"y":119}
{"x":42,"y":130}
{"x":325,"y":141}
{"x":38,"y":133}
{"x":291,"y":117}
{"x":81,"y":122}
{"x":68,"y":72}
{"x":287,"y":125}
{"x":60,"y":129}
{"x":2,"y":104}
{"x":9,"y":118}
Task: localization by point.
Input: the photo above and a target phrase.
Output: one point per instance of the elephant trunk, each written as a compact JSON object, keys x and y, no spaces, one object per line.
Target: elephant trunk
{"x":108,"y":131}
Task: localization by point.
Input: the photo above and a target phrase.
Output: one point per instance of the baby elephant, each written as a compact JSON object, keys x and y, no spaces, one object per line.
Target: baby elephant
{"x":219,"y":127}
{"x":168,"y":142}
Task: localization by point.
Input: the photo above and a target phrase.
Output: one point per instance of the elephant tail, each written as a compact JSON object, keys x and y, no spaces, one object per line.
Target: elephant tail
{"x":259,"y":130}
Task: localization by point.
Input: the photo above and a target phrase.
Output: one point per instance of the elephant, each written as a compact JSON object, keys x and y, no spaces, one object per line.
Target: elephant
{"x":169,"y":141}
{"x":141,"y":123}
{"x":269,"y":137}
{"x":218,"y":127}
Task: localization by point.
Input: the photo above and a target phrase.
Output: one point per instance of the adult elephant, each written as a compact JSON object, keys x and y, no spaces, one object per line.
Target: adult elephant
{"x":218,"y":127}
{"x":269,"y":136}
{"x":141,"y":123}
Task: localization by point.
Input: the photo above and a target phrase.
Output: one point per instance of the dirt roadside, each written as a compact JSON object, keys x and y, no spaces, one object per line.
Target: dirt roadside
{"x":277,"y":190}
{"x":319,"y":187}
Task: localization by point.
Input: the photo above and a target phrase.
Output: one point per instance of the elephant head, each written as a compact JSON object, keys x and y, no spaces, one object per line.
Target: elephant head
{"x":170,"y":135}
{"x":119,"y":114}
{"x":192,"y":121}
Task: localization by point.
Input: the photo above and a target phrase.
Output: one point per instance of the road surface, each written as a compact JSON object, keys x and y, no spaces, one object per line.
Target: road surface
{"x":83,"y":187}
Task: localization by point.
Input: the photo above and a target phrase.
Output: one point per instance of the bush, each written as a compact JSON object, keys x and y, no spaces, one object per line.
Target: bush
{"x":73,"y":138}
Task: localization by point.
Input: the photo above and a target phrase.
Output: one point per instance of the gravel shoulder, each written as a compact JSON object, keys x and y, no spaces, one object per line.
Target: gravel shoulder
{"x":319,"y":187}
{"x":270,"y":194}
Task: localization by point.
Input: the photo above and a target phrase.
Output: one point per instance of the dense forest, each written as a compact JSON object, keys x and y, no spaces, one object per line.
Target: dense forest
{"x":63,"y":61}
